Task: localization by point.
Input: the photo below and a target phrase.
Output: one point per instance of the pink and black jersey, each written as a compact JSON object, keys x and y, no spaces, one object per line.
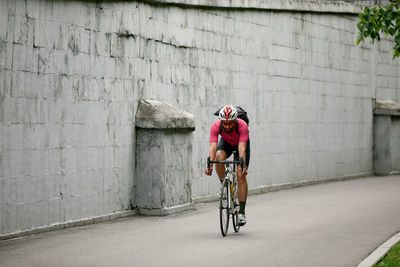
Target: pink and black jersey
{"x":232,"y":138}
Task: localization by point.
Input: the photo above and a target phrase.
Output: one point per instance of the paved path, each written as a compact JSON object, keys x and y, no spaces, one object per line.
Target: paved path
{"x":330,"y":224}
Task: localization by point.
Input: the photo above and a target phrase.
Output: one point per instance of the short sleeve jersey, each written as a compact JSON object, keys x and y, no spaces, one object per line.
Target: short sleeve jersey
{"x":232,"y":138}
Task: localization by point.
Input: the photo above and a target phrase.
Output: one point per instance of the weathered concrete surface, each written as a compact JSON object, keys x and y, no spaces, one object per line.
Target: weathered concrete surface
{"x":386,"y":137}
{"x":164,"y":147}
{"x":386,"y":107}
{"x":164,"y":175}
{"x":395,"y":145}
{"x":333,"y":224}
{"x":298,"y":5}
{"x":72,"y":74}
{"x":382,"y":144}
{"x":161,"y":115}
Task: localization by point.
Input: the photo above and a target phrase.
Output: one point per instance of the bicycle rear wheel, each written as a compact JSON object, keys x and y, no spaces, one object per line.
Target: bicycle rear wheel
{"x":224,"y":208}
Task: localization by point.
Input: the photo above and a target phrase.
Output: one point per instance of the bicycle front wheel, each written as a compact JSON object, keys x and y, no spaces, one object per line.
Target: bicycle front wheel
{"x":224,"y":208}
{"x":235,"y":217}
{"x":236,"y":207}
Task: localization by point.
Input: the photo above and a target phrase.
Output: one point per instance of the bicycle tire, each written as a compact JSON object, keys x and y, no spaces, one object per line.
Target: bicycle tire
{"x":224,"y":208}
{"x":235,"y":220}
{"x":235,"y":211}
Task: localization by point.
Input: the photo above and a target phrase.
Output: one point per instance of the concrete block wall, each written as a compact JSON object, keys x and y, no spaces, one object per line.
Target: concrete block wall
{"x":72,"y":73}
{"x":310,"y":106}
{"x":66,"y":117}
{"x":387,"y":73}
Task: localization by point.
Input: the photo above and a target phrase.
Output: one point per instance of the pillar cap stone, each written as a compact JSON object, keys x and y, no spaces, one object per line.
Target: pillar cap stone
{"x":161,"y":115}
{"x":386,"y":107}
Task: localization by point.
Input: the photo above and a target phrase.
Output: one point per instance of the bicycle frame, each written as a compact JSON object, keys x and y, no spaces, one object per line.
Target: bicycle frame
{"x":231,"y":179}
{"x":230,"y":185}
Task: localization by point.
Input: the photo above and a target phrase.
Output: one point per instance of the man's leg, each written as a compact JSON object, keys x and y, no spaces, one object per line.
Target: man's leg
{"x":242,"y":184}
{"x":242,"y":181}
{"x":220,"y":168}
{"x":242,"y":190}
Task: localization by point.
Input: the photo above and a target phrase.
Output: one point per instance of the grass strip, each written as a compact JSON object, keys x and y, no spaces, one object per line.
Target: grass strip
{"x":392,"y":259}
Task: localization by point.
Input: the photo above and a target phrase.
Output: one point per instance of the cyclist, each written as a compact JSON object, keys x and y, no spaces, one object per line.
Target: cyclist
{"x":234,"y":137}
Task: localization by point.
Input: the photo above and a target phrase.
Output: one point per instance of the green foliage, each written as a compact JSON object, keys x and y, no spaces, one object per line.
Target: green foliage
{"x":376,"y":20}
{"x":392,"y":259}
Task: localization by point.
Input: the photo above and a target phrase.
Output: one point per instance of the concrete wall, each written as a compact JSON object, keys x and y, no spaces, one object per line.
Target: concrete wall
{"x":72,"y":72}
{"x":395,"y":142}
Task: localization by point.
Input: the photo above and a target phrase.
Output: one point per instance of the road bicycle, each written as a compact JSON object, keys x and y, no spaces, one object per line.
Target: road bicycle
{"x":228,"y":199}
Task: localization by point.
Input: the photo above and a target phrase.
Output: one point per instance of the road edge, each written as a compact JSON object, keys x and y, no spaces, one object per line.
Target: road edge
{"x":380,"y":252}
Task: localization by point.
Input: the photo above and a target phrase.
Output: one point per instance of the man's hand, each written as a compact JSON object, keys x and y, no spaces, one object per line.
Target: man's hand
{"x":209,"y":171}
{"x":241,"y":173}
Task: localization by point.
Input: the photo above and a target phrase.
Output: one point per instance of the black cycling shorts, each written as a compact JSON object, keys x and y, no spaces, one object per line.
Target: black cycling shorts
{"x":229,"y":149}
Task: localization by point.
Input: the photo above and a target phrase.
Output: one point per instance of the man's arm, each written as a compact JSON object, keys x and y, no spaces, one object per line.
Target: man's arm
{"x":242,"y":152}
{"x":243,"y":138}
{"x":212,"y":152}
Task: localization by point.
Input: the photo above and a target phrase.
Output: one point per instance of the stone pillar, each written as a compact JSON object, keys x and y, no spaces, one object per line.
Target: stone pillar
{"x":382,"y":155}
{"x":163,"y":173}
{"x":383,"y":112}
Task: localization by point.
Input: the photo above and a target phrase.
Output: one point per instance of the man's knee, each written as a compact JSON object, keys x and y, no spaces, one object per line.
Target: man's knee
{"x":221,"y":155}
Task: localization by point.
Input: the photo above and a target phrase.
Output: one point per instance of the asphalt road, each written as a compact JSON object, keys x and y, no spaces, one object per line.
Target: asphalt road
{"x":330,"y":224}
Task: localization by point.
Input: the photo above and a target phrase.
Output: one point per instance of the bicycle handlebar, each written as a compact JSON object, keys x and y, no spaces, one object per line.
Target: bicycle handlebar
{"x":237,"y":162}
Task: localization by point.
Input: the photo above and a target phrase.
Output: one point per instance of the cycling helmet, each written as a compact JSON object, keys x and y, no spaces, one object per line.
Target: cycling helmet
{"x":228,"y":113}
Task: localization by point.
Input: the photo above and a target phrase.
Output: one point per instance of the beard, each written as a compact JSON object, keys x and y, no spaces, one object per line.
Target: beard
{"x":227,"y":130}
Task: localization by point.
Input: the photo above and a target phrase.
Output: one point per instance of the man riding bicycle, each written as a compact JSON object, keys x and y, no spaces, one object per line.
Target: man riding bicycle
{"x":234,"y":137}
